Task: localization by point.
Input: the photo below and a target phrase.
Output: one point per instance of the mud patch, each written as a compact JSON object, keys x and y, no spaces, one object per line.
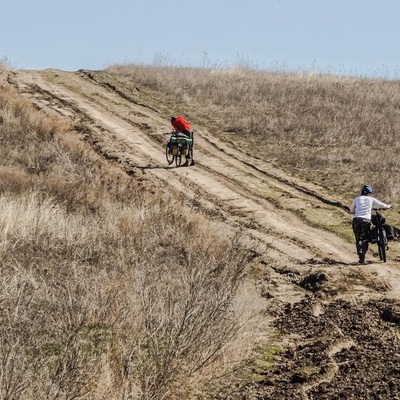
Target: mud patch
{"x":391,"y":313}
{"x":351,"y":351}
{"x":314,"y":282}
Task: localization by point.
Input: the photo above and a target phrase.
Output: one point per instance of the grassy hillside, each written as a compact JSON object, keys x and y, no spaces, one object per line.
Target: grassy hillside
{"x":114,"y":287}
{"x":110,"y":288}
{"x":338,"y":131}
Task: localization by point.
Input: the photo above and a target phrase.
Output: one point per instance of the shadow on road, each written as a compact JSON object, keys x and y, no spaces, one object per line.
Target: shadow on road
{"x":157,"y":167}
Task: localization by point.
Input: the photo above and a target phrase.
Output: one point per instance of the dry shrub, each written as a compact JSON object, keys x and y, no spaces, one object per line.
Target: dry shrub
{"x":185,"y":292}
{"x":142,"y":304}
{"x":5,"y":63}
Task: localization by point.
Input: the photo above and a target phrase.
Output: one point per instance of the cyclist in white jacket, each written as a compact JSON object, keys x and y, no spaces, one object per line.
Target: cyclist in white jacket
{"x":362,"y":208}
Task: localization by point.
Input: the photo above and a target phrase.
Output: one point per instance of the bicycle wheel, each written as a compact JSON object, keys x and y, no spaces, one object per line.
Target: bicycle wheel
{"x":191,"y":152}
{"x":382,"y":244}
{"x":191,"y":147}
{"x":168,"y":154}
{"x":178,"y":157}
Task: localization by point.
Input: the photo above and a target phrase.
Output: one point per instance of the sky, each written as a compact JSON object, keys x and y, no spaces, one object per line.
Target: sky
{"x":344,"y":37}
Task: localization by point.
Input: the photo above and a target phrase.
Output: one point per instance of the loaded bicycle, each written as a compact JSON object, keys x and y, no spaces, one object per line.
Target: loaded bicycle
{"x":176,"y":147}
{"x":381,"y":233}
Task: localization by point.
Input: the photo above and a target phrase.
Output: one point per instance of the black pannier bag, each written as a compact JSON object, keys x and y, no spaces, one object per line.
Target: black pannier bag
{"x":391,"y":233}
{"x":374,"y":219}
{"x":378,"y":219}
{"x":373,"y":235}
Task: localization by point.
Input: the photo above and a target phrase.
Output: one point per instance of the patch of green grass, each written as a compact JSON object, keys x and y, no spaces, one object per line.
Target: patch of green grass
{"x":265,"y":362}
{"x":328,"y":219}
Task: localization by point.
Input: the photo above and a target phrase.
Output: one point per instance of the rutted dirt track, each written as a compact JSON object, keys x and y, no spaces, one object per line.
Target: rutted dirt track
{"x":228,"y":181}
{"x":341,"y":320}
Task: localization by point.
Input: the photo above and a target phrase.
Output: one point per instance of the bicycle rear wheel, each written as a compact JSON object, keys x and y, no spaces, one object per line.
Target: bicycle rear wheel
{"x":382,"y":244}
{"x":178,"y":157}
{"x":168,"y":154}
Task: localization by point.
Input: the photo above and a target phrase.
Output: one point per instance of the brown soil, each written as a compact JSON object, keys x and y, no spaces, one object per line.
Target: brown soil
{"x":337,"y":323}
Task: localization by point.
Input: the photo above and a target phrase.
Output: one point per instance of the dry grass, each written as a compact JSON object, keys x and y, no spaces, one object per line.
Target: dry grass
{"x":107,"y":290}
{"x":338,"y":131}
{"x":5,"y":64}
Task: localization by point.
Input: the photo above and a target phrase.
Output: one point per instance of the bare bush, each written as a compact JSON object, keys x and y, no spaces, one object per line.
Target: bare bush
{"x":5,"y":63}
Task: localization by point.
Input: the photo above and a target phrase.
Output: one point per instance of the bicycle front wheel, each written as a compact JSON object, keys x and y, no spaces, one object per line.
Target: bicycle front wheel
{"x":178,"y":159}
{"x":168,"y":154}
{"x":382,"y":245}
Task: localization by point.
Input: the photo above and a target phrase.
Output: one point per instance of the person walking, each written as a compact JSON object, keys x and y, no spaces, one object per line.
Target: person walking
{"x":361,"y":207}
{"x":184,"y":129}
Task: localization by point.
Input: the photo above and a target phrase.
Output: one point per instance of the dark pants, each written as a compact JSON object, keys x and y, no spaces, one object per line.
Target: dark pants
{"x":361,"y":228}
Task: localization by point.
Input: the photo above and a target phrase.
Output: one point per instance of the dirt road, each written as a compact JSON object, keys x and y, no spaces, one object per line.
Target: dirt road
{"x":244,"y":190}
{"x":313,"y":280}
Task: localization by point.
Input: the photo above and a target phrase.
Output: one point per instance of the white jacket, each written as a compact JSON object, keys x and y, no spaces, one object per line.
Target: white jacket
{"x":362,"y":206}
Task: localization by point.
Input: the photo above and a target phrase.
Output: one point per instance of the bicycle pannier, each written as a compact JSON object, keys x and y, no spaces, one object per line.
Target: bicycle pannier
{"x":374,"y":219}
{"x":373,"y":235}
{"x":390,"y":234}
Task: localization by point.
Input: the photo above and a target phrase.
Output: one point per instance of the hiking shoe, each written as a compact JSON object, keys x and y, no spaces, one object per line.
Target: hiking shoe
{"x":186,"y":164}
{"x":361,"y":259}
{"x":192,"y":163}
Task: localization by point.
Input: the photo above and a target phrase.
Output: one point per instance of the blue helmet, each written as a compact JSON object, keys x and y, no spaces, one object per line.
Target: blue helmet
{"x":366,"y":189}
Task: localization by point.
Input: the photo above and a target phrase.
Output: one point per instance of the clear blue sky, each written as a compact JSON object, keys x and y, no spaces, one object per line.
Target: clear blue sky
{"x":353,"y":37}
